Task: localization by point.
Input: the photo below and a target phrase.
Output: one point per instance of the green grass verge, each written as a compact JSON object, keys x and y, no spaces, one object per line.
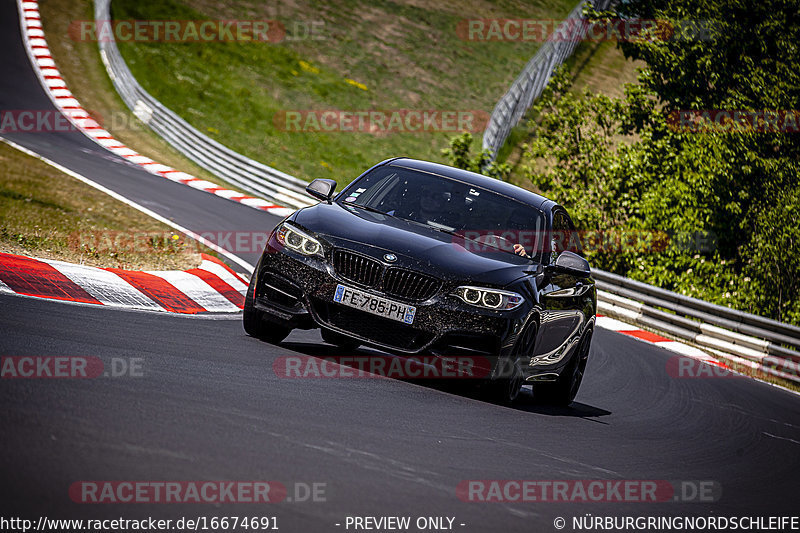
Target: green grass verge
{"x":401,"y":55}
{"x":45,"y":213}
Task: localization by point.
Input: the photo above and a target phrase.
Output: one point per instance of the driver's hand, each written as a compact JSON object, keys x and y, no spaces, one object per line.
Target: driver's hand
{"x":520,"y":250}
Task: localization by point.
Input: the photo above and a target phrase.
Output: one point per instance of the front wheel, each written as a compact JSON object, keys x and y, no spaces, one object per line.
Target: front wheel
{"x":506,"y":388}
{"x":507,"y":385}
{"x":563,"y":390}
{"x":254,"y":323}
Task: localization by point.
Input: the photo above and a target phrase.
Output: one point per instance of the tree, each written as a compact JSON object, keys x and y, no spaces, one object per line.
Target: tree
{"x":459,"y":156}
{"x":708,"y":212}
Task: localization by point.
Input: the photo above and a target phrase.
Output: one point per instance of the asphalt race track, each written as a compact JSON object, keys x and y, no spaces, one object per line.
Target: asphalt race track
{"x":208,"y":405}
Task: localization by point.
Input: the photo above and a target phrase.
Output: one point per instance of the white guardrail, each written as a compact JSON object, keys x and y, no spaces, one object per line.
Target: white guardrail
{"x":531,"y":82}
{"x":236,"y":169}
{"x":759,"y":343}
{"x":756,"y":342}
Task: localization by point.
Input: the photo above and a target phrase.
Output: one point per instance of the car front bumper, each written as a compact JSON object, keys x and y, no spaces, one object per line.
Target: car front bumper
{"x":297,"y":291}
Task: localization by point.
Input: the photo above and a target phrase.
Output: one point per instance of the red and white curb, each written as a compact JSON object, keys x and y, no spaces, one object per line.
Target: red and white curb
{"x":686,"y":350}
{"x":613,"y":324}
{"x":54,"y":85}
{"x":212,"y":287}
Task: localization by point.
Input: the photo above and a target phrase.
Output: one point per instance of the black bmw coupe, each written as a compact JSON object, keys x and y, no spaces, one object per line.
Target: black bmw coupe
{"x":421,"y":258}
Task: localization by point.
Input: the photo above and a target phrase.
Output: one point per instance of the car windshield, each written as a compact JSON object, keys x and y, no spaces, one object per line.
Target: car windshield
{"x":475,"y":213}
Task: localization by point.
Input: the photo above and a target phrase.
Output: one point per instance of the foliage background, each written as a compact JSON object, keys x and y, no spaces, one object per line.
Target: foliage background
{"x":728,"y":200}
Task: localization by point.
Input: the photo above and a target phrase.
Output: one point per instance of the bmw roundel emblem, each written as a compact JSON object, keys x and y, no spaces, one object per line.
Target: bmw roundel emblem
{"x":390,"y":258}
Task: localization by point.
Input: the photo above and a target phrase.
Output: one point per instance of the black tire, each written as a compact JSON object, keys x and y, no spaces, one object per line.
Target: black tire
{"x":254,"y":323}
{"x":337,"y":339}
{"x":563,"y":391}
{"x":506,"y":389}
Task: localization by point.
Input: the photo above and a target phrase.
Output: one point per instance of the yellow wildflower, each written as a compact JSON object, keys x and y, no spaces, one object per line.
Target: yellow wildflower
{"x":356,"y":84}
{"x":308,"y":67}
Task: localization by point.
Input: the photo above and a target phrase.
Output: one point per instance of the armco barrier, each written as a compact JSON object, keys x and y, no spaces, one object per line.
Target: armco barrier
{"x":235,"y":168}
{"x":530,"y":83}
{"x":771,"y":345}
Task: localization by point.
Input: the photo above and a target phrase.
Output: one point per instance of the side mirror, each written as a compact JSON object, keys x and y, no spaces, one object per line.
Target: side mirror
{"x":571,"y":263}
{"x":321,"y":189}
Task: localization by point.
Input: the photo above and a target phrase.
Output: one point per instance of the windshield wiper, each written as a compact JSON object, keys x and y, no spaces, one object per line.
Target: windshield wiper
{"x":443,"y":230}
{"x":369,"y":208}
{"x":482,"y":243}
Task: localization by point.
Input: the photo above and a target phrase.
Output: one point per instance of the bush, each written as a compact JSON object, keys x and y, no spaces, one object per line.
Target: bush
{"x":728,"y":201}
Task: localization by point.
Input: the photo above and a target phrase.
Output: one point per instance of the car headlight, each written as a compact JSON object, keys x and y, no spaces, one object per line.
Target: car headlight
{"x":298,"y":240}
{"x":489,"y":298}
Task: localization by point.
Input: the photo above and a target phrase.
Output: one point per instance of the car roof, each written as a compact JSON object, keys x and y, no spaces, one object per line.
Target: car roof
{"x":478,"y":180}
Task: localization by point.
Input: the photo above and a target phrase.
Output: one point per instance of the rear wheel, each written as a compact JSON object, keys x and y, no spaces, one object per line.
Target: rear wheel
{"x":254,"y":323}
{"x":563,"y":390}
{"x":337,"y":339}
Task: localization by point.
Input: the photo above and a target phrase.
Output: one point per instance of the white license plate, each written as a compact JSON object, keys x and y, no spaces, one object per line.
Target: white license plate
{"x":374,"y":304}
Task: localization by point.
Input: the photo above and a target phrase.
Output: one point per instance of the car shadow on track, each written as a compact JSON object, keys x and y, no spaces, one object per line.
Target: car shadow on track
{"x":526,"y":401}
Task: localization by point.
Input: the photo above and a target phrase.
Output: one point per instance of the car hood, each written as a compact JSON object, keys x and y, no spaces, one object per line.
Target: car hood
{"x":416,"y":246}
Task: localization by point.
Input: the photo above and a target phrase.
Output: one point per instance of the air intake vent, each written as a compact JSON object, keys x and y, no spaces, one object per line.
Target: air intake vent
{"x":357,"y":268}
{"x":409,"y":285}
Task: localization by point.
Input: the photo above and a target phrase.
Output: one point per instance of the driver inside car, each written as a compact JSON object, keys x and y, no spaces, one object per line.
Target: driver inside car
{"x":519,"y":221}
